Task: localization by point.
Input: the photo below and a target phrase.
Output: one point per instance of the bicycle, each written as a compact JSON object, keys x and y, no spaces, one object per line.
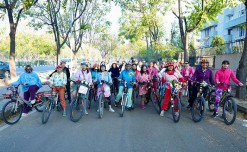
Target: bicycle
{"x":228,"y":104}
{"x":101,"y":98}
{"x":12,"y":110}
{"x":76,"y":106}
{"x":151,"y":95}
{"x":124,"y":100}
{"x":52,"y":102}
{"x":199,"y":105}
{"x":175,"y":102}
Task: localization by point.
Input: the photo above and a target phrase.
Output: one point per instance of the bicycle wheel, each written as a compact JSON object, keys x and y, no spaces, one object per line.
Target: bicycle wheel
{"x":39,"y":106}
{"x":198,"y":109}
{"x":12,"y":111}
{"x":229,"y":111}
{"x":211,"y":101}
{"x":47,"y":111}
{"x":76,"y":109}
{"x":176,"y":109}
{"x":123,"y":104}
{"x":156,"y":102}
{"x":101,"y":105}
{"x":90,"y":98}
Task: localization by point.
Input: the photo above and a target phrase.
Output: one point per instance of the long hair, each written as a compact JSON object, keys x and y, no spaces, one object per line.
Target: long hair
{"x":142,"y":71}
{"x":28,"y":66}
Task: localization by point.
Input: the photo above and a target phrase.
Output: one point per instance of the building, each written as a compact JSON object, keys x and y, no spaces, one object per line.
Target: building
{"x":230,"y":26}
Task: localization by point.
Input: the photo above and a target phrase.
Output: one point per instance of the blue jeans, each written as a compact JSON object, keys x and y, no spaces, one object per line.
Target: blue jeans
{"x":120,"y":93}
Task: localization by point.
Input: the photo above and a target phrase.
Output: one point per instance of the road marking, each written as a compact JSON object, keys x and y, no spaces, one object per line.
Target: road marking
{"x":6,"y":126}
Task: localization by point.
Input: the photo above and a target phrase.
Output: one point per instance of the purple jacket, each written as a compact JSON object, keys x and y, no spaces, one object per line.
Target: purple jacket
{"x":207,"y":76}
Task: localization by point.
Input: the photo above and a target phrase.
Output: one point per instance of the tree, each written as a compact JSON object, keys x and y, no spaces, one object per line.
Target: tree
{"x":198,"y":12}
{"x":14,"y":9}
{"x":218,"y":42}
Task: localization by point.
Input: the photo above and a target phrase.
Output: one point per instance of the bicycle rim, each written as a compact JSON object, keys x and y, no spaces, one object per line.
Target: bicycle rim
{"x":176,"y":111}
{"x":198,"y":109}
{"x":76,"y":110}
{"x":229,"y":111}
{"x":46,"y":112}
{"x":12,"y":112}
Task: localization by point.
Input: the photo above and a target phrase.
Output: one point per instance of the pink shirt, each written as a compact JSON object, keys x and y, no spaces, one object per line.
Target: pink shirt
{"x":168,"y":78}
{"x":224,"y":75}
{"x":187,"y":72}
{"x":153,"y":71}
{"x":84,"y":76}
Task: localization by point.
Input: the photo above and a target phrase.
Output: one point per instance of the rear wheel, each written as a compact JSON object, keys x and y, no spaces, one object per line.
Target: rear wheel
{"x":123,"y":104}
{"x":76,"y":110}
{"x":12,"y":111}
{"x":211,"y":101}
{"x":229,"y":111}
{"x":156,"y":103}
{"x":176,"y":109}
{"x":101,"y":105}
{"x":198,"y":109}
{"x":46,"y":111}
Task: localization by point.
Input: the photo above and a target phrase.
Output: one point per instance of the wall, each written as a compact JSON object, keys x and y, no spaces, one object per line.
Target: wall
{"x":232,"y":58}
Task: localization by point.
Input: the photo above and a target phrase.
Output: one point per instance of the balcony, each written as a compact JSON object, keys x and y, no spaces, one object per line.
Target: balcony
{"x":213,"y":33}
{"x":235,"y":22}
{"x":228,"y":38}
{"x":229,"y":12}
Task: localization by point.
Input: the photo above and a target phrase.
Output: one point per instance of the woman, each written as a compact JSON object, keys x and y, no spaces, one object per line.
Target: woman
{"x":80,"y":75}
{"x":104,"y":75}
{"x":202,"y":73}
{"x":94,"y":72}
{"x":31,"y":83}
{"x":142,"y":78}
{"x":167,"y":77}
{"x":154,"y":75}
{"x":115,"y":72}
{"x":58,"y":81}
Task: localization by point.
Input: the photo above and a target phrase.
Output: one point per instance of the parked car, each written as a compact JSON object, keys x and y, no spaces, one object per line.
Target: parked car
{"x":4,"y":70}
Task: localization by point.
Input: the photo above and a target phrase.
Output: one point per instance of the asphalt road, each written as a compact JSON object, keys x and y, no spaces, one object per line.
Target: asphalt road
{"x":139,"y":130}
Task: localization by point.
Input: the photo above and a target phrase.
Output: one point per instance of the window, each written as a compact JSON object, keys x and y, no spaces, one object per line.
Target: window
{"x":241,"y":31}
{"x":229,"y":17}
{"x":207,"y":33}
{"x":229,"y":31}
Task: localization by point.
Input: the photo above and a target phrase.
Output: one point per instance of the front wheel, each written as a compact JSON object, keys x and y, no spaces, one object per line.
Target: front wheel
{"x":198,"y":109}
{"x":176,"y":109}
{"x":12,"y":111}
{"x":211,"y":101}
{"x":46,"y":111}
{"x":76,"y":110}
{"x":229,"y":111}
{"x":123,"y":104}
{"x":101,"y":105}
{"x":156,"y":102}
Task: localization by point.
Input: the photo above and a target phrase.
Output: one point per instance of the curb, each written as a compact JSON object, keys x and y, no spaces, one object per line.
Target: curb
{"x":242,"y":109}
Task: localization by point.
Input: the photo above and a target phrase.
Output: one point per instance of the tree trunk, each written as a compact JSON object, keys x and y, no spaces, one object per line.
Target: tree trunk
{"x":186,"y":47}
{"x":12,"y":51}
{"x":241,"y":71}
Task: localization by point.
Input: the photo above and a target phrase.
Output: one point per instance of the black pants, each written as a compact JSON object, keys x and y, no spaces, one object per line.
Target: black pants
{"x":193,"y":93}
{"x":68,"y":91}
{"x":109,"y":100}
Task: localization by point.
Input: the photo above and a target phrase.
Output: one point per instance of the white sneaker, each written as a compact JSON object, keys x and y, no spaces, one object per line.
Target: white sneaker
{"x":176,"y":114}
{"x":32,"y":101}
{"x":97,"y":110}
{"x":111,"y":110}
{"x":162,"y":113}
{"x":24,"y":114}
{"x":86,"y":112}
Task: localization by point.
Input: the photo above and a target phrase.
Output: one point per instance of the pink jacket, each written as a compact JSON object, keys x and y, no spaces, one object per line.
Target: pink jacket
{"x":224,"y":75}
{"x":187,"y":72}
{"x":153,"y":71}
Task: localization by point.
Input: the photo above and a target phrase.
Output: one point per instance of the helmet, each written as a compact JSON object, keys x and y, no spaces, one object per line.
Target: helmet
{"x":84,"y":63}
{"x":169,"y":64}
{"x":62,"y":61}
{"x":128,"y":63}
{"x":204,"y":60}
{"x":96,"y":65}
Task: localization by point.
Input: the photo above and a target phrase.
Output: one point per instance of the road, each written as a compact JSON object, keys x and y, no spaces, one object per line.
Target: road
{"x":139,"y":130}
{"x":36,"y":69}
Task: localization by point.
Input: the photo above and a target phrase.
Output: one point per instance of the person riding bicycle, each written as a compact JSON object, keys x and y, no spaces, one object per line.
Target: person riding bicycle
{"x":105,"y":76}
{"x":58,"y":80}
{"x":67,"y":72}
{"x":167,"y":77}
{"x":31,"y":83}
{"x":82,"y":74}
{"x":222,"y":78}
{"x":142,"y":78}
{"x":126,"y":75}
{"x":187,"y":73}
{"x":115,"y":72}
{"x":94,"y":72}
{"x":135,"y":87}
{"x":154,"y":75}
{"x":201,"y":74}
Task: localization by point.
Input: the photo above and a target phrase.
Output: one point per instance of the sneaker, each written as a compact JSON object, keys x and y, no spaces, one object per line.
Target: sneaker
{"x":24,"y":114}
{"x":162,"y":113}
{"x":128,"y":108}
{"x":86,"y":112}
{"x":64,"y":113}
{"x":116,"y":104}
{"x":97,"y":110}
{"x":215,"y":114}
{"x":111,"y":110}
{"x":176,"y":114}
{"x":32,"y":101}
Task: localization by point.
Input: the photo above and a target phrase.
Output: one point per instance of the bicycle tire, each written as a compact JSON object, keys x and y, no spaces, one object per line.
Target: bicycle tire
{"x":90,"y":98}
{"x":230,"y":108}
{"x":47,"y":111}
{"x":211,"y":101}
{"x":176,"y":115}
{"x":198,"y":107}
{"x":10,"y":112}
{"x":39,"y":106}
{"x":101,"y":106}
{"x":123,"y":104}
{"x":156,"y":103}
{"x":76,"y":110}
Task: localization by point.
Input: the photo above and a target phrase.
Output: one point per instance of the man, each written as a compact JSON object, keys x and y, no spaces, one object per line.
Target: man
{"x":67,"y":72}
{"x":126,"y":75}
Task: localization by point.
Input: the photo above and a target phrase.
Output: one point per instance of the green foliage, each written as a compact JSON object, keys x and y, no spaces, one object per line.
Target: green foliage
{"x":218,"y":42}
